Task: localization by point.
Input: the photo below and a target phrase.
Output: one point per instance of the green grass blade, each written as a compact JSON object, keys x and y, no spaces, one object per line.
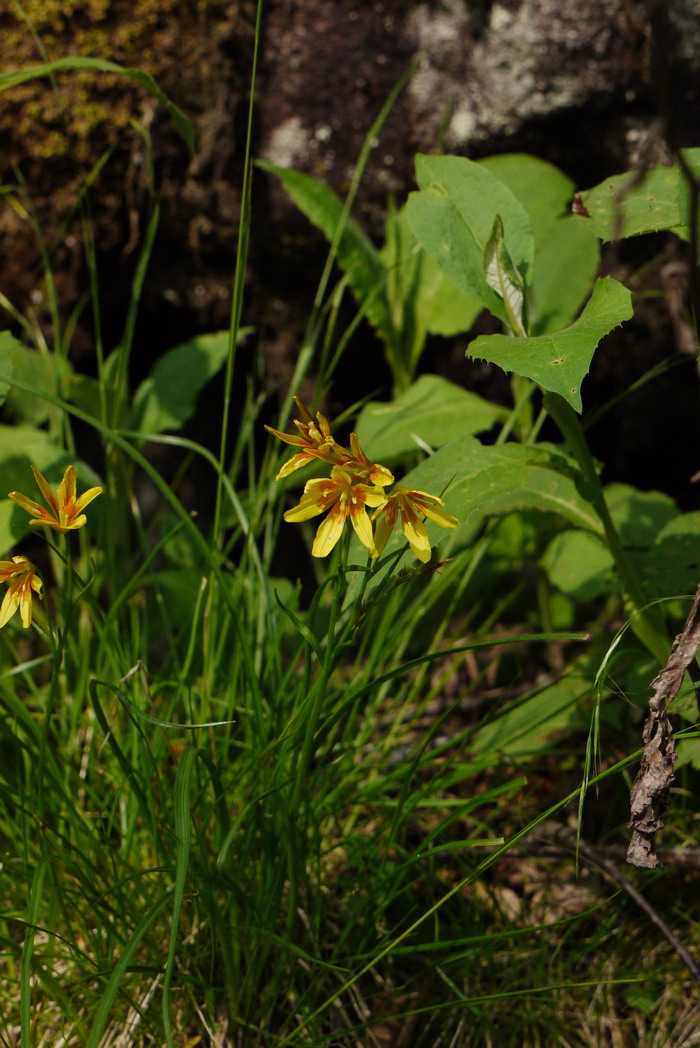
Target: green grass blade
{"x":27,"y":950}
{"x":113,"y":984}
{"x":182,"y":834}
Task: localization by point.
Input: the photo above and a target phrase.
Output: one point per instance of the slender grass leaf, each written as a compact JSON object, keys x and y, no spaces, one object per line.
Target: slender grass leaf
{"x":356,"y":255}
{"x":182,"y":835}
{"x":112,"y":988}
{"x":559,"y":362}
{"x":25,"y":965}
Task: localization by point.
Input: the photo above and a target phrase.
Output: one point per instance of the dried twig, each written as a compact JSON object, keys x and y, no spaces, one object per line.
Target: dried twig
{"x":649,"y":800}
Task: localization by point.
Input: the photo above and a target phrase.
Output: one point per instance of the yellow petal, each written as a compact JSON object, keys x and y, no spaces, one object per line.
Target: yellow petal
{"x":27,"y":504}
{"x":439,"y":516}
{"x":308,"y":507}
{"x":288,"y":438}
{"x":25,"y":609}
{"x":8,"y":607}
{"x":362,"y":526}
{"x":417,"y":538}
{"x":44,"y":488}
{"x":66,"y":489}
{"x":375,"y":497}
{"x":87,"y":497}
{"x":328,"y":534}
{"x":295,"y":462}
{"x":382,"y":532}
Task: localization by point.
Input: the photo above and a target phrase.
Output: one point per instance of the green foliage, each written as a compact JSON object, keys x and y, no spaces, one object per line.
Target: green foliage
{"x":402,"y":292}
{"x":559,"y":362}
{"x":245,"y":808}
{"x":431,"y":413}
{"x":452,"y":217}
{"x":643,"y":202}
{"x":168,"y":397}
{"x":567,"y":253}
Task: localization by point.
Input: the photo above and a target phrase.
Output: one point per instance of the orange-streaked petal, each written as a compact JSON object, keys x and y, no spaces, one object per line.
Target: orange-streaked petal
{"x":25,"y":605}
{"x":307,"y":508}
{"x":45,"y":489}
{"x":27,"y":504}
{"x":288,"y":438}
{"x":66,"y":489}
{"x":294,"y":463}
{"x":374,"y":496}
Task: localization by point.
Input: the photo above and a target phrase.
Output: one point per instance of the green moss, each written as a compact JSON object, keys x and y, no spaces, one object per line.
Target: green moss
{"x":174,"y":40}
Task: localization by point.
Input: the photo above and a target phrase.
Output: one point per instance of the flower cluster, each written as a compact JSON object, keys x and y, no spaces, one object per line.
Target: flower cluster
{"x":354,"y":486}
{"x":65,"y":513}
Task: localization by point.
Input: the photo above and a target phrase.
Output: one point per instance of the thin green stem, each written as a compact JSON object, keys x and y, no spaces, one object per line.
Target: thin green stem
{"x":646,"y":623}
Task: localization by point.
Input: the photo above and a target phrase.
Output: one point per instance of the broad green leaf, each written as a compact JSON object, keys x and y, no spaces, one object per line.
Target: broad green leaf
{"x":432,"y":412}
{"x":559,"y":362}
{"x":452,"y":218}
{"x":567,"y":254}
{"x":46,"y":372}
{"x":503,"y":277}
{"x":639,"y":516}
{"x":168,"y":398}
{"x":671,"y":567}
{"x":183,"y":124}
{"x":567,"y":260}
{"x":635,"y":203}
{"x":481,"y":481}
{"x":417,"y":286}
{"x":543,"y":190}
{"x":579,"y":564}
{"x":356,"y":255}
{"x":449,"y":311}
{"x":530,"y":725}
{"x":8,"y":346}
{"x":692,"y":159}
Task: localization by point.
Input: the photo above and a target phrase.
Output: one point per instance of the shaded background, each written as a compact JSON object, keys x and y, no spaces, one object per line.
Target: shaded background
{"x":594,"y":86}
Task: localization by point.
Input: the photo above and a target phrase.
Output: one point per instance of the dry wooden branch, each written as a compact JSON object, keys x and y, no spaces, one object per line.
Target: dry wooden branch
{"x":649,"y":800}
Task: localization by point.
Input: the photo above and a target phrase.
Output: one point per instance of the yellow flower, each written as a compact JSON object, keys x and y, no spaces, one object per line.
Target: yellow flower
{"x":357,"y":462}
{"x":21,"y":575}
{"x":340,"y":497}
{"x":65,"y":512}
{"x":411,"y":506}
{"x":314,"y":438}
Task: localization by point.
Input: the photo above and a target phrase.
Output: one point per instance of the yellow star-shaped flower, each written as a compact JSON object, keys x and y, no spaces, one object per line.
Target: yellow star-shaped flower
{"x":65,"y":511}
